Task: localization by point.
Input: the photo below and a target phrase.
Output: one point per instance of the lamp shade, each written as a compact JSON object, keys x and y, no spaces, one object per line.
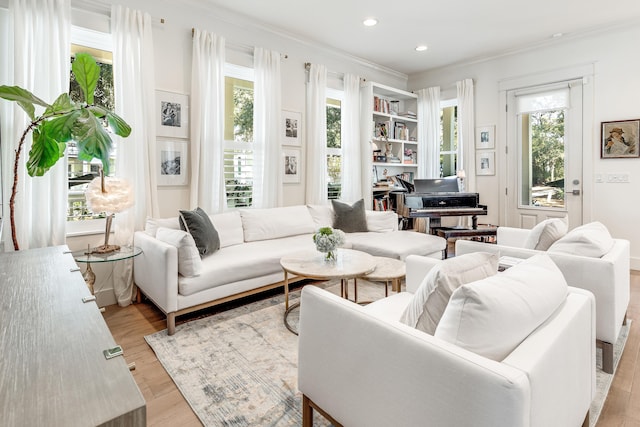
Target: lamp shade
{"x":117,"y":195}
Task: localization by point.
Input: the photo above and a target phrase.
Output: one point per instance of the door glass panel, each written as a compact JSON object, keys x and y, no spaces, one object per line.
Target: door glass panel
{"x":542,"y":151}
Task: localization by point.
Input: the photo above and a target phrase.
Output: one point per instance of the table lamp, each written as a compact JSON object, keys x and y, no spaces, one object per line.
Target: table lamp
{"x":110,"y":195}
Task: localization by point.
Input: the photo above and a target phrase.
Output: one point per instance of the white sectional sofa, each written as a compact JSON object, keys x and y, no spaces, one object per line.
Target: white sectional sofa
{"x":252,"y":241}
{"x":605,"y":273}
{"x":361,"y":366}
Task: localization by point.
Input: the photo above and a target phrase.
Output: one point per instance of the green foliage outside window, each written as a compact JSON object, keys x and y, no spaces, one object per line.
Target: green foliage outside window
{"x":547,"y":146}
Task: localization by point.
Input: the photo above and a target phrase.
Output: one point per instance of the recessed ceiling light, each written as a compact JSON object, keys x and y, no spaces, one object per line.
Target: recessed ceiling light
{"x":370,"y":22}
{"x":421,"y":47}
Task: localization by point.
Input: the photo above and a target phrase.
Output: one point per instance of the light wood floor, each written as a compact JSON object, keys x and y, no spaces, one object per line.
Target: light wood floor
{"x":167,"y":407}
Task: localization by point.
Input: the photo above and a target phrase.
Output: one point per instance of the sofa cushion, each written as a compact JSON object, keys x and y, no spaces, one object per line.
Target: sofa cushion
{"x":198,"y":224}
{"x":381,"y":221}
{"x":544,"y":234}
{"x":152,"y":224}
{"x":189,"y":262}
{"x":229,"y":228}
{"x":275,"y":223}
{"x":491,"y":317}
{"x":322,"y":215}
{"x":396,"y":244}
{"x":390,"y":308}
{"x":590,"y":240}
{"x":349,"y":218}
{"x":432,"y":296}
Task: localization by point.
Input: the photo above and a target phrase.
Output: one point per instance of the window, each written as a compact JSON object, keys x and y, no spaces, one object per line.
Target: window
{"x":334,"y":144}
{"x":238,"y":136}
{"x":79,"y":172}
{"x":448,"y":138}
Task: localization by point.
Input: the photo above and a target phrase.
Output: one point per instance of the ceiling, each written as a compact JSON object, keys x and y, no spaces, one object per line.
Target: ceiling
{"x":454,"y":31}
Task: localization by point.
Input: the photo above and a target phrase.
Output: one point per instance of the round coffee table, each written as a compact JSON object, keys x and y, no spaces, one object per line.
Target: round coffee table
{"x":388,"y":270}
{"x":348,"y":264}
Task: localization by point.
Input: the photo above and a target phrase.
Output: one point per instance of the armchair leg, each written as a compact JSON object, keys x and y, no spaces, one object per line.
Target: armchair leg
{"x":307,"y":412}
{"x":607,"y":356}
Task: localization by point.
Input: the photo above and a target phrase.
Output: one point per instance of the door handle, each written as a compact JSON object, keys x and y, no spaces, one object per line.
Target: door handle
{"x":575,"y":192}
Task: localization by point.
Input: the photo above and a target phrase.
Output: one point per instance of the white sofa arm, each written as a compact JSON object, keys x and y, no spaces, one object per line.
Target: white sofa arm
{"x":417,"y":268}
{"x":155,"y":271}
{"x":509,"y":236}
{"x":367,"y":372}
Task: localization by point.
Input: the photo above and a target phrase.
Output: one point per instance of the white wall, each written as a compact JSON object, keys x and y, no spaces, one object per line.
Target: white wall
{"x":616,"y":97}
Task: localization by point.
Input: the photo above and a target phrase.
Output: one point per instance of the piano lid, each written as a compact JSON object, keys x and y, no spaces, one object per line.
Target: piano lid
{"x":439,"y":185}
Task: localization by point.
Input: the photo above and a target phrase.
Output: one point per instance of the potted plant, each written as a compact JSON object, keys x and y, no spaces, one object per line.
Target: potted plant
{"x":84,"y":122}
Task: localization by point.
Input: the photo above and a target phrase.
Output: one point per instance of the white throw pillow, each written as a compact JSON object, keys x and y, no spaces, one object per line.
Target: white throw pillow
{"x":274,"y":223}
{"x":491,"y":317}
{"x":546,"y":233}
{"x":322,"y":215}
{"x":590,"y":240}
{"x":189,"y":262}
{"x":152,"y":224}
{"x":432,"y":296}
{"x":229,"y":228}
{"x":381,"y":221}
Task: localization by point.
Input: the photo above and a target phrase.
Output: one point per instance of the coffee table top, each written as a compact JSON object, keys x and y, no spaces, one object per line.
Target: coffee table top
{"x":349,"y":263}
{"x":387,"y":269}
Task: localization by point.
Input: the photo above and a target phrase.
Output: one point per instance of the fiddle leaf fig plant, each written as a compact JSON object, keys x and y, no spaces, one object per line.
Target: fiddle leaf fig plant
{"x":84,"y":122}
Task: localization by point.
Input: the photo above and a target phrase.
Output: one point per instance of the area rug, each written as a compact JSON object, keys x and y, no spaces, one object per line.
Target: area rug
{"x":239,"y":367}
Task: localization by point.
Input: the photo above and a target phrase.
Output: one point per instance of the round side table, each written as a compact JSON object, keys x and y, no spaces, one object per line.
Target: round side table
{"x":388,"y":270}
{"x":125,"y":252}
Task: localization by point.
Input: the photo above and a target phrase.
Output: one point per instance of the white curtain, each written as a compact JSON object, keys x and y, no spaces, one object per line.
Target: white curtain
{"x":316,"y":175}
{"x":134,"y":87}
{"x":429,"y":132}
{"x":352,"y":185}
{"x":207,"y":122}
{"x":466,"y":133}
{"x":267,"y":128}
{"x":40,"y":52}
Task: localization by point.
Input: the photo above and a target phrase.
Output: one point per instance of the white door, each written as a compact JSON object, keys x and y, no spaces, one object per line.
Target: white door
{"x":544,"y":154}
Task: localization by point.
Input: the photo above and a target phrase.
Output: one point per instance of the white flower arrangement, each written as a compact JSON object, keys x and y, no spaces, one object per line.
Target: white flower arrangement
{"x":327,"y":240}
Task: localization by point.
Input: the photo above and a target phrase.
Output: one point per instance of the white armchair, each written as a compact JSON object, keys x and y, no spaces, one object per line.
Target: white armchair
{"x":359,"y":366}
{"x":607,"y":277}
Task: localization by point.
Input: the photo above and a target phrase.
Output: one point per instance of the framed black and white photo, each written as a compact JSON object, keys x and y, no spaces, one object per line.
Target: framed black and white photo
{"x":485,"y":163}
{"x":620,"y":139}
{"x":172,"y":114}
{"x":292,"y":122}
{"x":292,"y":165}
{"x":485,"y":137}
{"x":172,"y":162}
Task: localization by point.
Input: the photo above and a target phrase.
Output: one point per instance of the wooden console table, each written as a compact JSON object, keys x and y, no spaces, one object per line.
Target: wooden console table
{"x":53,"y":370}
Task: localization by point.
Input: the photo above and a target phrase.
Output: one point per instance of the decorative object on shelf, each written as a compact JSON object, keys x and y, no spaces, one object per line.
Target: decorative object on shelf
{"x":327,"y":241}
{"x":292,"y":127}
{"x":173,"y":162}
{"x":111,"y":195}
{"x":292,"y":165}
{"x":620,"y":139}
{"x":485,"y":163}
{"x":485,"y":137}
{"x":173,"y":114}
{"x":89,"y":276}
{"x":84,"y":122}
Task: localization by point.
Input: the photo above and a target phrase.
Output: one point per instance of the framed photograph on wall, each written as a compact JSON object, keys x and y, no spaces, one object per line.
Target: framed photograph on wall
{"x":485,"y":163}
{"x":292,"y":129}
{"x":173,"y":165}
{"x":292,"y":165}
{"x":619,"y":139}
{"x":485,"y":137}
{"x":172,"y":114}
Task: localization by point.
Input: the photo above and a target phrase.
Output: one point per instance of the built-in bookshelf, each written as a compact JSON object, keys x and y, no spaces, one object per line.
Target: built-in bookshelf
{"x":393,"y":137}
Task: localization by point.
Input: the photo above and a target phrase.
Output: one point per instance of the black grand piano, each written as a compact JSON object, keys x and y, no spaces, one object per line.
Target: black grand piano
{"x":435,"y":198}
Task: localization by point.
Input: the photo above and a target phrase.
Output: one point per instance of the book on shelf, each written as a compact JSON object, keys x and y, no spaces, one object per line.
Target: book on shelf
{"x":408,"y":114}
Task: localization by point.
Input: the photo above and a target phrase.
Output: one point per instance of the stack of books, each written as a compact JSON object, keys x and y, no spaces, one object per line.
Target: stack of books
{"x":408,"y":114}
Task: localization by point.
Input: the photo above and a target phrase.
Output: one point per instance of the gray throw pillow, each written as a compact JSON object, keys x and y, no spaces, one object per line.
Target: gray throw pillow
{"x":348,"y":218}
{"x":199,"y":225}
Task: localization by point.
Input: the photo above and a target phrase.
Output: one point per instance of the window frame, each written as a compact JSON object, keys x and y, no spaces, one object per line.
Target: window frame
{"x":447,"y":103}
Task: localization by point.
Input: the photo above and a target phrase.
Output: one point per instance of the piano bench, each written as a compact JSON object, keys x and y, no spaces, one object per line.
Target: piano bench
{"x":453,"y":232}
